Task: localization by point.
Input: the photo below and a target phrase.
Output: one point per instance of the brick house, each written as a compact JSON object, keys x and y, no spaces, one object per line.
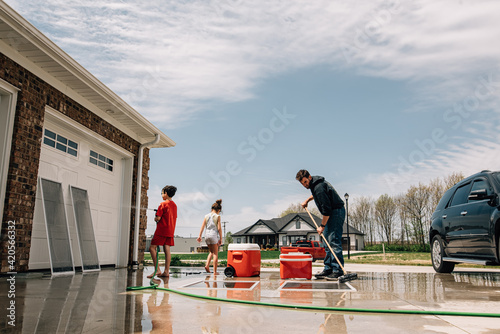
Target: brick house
{"x":59,"y":123}
{"x":284,"y":231}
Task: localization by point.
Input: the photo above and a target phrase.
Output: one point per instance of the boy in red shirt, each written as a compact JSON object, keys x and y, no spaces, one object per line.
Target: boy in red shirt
{"x":166,"y":216}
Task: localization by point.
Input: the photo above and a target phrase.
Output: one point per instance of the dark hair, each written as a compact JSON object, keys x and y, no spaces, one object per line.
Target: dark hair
{"x":169,"y":190}
{"x":217,"y":206}
{"x":302,"y":174}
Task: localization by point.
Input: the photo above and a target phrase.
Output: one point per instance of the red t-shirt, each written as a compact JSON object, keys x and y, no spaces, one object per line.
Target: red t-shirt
{"x":167,"y":211}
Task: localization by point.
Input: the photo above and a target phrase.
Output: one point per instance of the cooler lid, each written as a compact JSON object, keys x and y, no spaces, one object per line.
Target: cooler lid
{"x":296,"y":256}
{"x":242,"y":247}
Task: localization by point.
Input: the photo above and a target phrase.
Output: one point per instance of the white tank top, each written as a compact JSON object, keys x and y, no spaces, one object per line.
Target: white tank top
{"x":211,"y":226}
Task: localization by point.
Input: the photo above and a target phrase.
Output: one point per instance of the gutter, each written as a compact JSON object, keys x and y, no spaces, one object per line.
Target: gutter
{"x":135,"y":263}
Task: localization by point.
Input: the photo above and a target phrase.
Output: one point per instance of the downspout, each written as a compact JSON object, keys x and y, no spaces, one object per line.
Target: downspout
{"x":135,"y":263}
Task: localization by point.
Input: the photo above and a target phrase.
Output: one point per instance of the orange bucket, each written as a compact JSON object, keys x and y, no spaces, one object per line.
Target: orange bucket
{"x":296,"y":265}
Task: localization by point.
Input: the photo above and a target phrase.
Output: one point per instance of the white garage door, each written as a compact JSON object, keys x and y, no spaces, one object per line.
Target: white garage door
{"x":86,"y":162}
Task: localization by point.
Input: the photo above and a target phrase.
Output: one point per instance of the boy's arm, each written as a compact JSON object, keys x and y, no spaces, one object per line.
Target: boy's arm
{"x":159,"y":213}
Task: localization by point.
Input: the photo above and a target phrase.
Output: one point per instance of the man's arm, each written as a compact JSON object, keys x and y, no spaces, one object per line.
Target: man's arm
{"x":321,"y":228}
{"x":304,"y":204}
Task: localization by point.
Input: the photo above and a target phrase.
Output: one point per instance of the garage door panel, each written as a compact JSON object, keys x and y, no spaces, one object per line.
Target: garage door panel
{"x":106,"y":226}
{"x":48,"y":170}
{"x":107,"y":255}
{"x":68,"y":177}
{"x":93,"y":187}
{"x":107,"y":194}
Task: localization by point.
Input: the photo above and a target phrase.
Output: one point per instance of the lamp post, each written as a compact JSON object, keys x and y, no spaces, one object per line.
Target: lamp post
{"x":346,"y":196}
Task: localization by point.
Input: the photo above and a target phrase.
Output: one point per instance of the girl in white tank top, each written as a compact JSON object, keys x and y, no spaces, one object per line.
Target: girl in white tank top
{"x":213,"y":234}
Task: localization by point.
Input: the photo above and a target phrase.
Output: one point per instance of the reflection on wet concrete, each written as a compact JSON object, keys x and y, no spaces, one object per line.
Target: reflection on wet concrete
{"x":99,"y":303}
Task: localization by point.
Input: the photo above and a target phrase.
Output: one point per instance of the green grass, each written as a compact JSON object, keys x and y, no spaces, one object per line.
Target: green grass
{"x":392,"y":258}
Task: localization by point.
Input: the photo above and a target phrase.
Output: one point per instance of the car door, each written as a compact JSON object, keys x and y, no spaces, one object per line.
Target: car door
{"x":476,"y":233}
{"x":453,"y":219}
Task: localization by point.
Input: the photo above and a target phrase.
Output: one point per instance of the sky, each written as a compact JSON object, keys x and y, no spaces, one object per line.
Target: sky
{"x":375,"y":96}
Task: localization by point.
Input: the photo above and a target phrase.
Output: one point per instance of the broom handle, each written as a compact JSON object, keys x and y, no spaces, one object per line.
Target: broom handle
{"x":326,"y":242}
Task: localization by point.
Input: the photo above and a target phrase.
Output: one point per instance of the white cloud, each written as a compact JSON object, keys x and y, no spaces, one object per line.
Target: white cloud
{"x":468,"y":158}
{"x":169,"y":60}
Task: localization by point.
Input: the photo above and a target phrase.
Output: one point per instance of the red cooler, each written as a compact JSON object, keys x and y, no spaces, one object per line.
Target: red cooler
{"x":296,"y":265}
{"x":243,"y":260}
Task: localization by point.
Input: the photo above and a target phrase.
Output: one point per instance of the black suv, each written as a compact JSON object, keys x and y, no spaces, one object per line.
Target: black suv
{"x":465,"y":227}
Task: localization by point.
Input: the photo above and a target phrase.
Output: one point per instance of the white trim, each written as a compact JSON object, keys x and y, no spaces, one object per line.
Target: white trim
{"x":8,"y":92}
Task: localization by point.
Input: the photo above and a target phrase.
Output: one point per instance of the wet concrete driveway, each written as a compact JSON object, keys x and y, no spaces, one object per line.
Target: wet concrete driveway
{"x":100,"y":303}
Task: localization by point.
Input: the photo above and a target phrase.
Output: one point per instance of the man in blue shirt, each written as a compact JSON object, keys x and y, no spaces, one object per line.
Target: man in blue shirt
{"x":332,"y":208}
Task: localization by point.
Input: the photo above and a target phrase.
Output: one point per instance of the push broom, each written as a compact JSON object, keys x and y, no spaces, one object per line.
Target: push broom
{"x":346,"y":277}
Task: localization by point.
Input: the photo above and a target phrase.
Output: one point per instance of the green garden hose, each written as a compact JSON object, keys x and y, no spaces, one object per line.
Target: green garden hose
{"x":312,"y":308}
{"x":335,"y":309}
{"x":152,"y":284}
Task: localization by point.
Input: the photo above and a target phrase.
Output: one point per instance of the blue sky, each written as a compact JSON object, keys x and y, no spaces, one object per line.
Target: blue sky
{"x":374,"y":95}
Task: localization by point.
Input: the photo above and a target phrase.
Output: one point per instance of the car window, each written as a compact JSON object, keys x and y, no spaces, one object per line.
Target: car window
{"x":496,"y":180}
{"x":479,"y":184}
{"x":460,"y":196}
{"x":445,"y":199}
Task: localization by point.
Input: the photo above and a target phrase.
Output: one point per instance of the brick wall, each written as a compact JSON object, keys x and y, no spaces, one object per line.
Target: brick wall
{"x":33,"y":96}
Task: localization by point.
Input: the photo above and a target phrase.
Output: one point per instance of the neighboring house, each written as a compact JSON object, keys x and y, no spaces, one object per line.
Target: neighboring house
{"x":59,"y":123}
{"x":287,"y":230}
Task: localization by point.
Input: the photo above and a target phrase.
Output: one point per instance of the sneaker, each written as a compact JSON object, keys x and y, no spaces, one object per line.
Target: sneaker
{"x":323,"y":274}
{"x":334,"y":276}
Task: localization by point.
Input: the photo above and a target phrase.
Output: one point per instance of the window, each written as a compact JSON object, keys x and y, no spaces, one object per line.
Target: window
{"x":238,"y":240}
{"x":297,"y":224}
{"x":479,"y":184}
{"x":312,"y":237}
{"x":101,"y":161}
{"x":461,"y":195}
{"x":295,"y":238}
{"x":59,"y":142}
{"x":283,"y":240}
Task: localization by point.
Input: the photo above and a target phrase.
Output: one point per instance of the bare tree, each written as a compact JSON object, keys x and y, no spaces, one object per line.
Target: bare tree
{"x":436,"y":190}
{"x":452,"y":179}
{"x":297,"y":208}
{"x":404,"y":221}
{"x":417,"y":206}
{"x":360,"y":216}
{"x":384,"y":213}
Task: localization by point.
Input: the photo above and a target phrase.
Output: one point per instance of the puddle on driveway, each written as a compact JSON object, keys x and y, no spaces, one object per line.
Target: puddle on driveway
{"x":99,"y":302}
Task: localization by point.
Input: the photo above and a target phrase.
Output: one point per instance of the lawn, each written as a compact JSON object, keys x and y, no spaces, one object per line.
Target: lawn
{"x":392,"y":258}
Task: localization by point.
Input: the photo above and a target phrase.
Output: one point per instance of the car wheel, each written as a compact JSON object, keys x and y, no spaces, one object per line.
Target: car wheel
{"x":437,"y":251}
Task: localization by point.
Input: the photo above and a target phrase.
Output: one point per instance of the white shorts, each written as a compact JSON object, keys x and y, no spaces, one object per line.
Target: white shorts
{"x":212,"y":239}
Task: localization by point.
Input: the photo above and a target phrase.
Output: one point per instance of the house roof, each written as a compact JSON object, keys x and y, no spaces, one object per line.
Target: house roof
{"x":26,"y":45}
{"x":277,"y":224}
